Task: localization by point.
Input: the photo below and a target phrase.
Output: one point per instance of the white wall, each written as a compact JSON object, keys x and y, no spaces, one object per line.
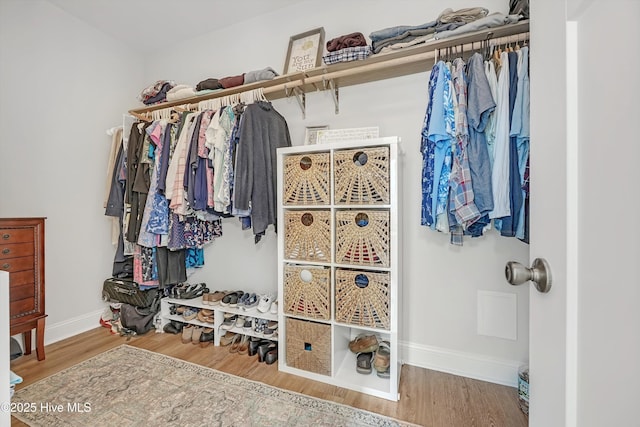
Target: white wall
{"x":608,"y":316}
{"x":441,"y":281}
{"x":62,"y":84}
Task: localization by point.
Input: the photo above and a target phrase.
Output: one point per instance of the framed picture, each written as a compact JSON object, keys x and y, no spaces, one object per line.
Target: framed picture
{"x":305,"y":51}
{"x":311,"y":135}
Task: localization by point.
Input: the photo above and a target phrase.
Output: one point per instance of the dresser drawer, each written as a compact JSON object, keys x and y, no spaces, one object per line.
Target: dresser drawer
{"x":16,"y":250}
{"x":16,"y":235}
{"x":17,"y":264}
{"x":21,"y":292}
{"x":20,"y":278}
{"x":22,"y":308}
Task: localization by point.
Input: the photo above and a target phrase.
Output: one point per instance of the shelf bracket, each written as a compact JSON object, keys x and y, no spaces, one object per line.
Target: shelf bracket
{"x":301,"y":98}
{"x":335,"y":94}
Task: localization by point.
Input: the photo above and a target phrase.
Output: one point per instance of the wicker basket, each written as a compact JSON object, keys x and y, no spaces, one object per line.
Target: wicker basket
{"x":362,"y":298}
{"x":307,"y":179}
{"x":307,"y":235}
{"x":308,"y":346}
{"x":362,"y":237}
{"x":307,"y":291}
{"x":362,"y":176}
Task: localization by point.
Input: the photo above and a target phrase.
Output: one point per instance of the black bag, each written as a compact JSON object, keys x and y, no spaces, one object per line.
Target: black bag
{"x":127,"y":291}
{"x":139,"y":320}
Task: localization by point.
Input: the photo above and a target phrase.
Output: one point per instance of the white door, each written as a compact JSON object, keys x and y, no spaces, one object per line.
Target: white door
{"x":585,"y":192}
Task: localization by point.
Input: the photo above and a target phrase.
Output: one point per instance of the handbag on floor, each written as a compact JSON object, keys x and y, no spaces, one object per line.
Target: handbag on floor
{"x":127,"y":291}
{"x":139,"y":320}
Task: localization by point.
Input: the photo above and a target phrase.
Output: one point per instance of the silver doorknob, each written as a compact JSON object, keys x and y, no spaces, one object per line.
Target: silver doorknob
{"x":539,"y":273}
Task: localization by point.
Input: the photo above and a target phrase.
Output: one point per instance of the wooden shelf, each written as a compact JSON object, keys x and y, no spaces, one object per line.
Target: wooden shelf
{"x":403,"y":62}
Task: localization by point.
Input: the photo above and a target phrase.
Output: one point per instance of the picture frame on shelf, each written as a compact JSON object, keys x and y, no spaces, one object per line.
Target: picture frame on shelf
{"x":311,"y":134}
{"x":305,"y":51}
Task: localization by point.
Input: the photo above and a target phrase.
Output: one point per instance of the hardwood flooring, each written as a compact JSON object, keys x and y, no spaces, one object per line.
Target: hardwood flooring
{"x":427,"y":398}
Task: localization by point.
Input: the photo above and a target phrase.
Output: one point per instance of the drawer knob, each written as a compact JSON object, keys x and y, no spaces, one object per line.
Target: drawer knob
{"x":6,"y":251}
{"x":6,"y":266}
{"x":6,"y":236}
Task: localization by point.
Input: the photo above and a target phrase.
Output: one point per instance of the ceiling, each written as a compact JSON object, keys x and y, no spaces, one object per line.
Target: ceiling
{"x":136,"y":22}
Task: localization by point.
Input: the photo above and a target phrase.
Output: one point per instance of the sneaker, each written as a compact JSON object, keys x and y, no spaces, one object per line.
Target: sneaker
{"x":228,"y":323}
{"x":265,"y":303}
{"x":251,"y":302}
{"x":248,"y":324}
{"x":274,"y":307}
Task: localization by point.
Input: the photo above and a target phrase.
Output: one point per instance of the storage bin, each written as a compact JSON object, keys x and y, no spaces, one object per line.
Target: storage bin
{"x":307,"y":235}
{"x":362,"y":237}
{"x":308,"y":346}
{"x":307,"y":179}
{"x":307,"y":291}
{"x":361,"y":176}
{"x":362,"y":298}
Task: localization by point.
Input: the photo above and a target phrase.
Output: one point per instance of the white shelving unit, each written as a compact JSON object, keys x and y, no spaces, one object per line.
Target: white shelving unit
{"x":295,"y":252}
{"x":218,"y":317}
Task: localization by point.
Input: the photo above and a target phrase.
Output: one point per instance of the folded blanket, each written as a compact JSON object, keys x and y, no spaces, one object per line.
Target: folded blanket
{"x":347,"y":54}
{"x":267,"y":73}
{"x":154,"y":90}
{"x":469,"y":14}
{"x":494,"y":20}
{"x":404,"y":37}
{"x":232,"y":81}
{"x":208,"y":84}
{"x":348,"y":40}
{"x":179,"y":92}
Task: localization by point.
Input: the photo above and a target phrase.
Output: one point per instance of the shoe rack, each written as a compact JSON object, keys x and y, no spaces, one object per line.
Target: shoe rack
{"x":339,"y":274}
{"x":219,"y":312}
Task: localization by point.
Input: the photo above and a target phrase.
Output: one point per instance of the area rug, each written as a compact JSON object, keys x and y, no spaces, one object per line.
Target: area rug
{"x":128,"y":386}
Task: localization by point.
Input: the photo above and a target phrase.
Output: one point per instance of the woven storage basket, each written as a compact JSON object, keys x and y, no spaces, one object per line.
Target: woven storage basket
{"x":307,"y":179}
{"x":362,"y":176}
{"x":362,"y":237}
{"x":307,"y":235}
{"x":362,"y":298}
{"x":308,"y":346}
{"x":307,"y":291}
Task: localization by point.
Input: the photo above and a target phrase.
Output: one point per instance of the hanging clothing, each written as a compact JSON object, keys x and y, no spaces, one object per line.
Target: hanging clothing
{"x":263,"y":131}
{"x":520,"y":129}
{"x":480,"y":104}
{"x":427,"y":148}
{"x":500,"y":176}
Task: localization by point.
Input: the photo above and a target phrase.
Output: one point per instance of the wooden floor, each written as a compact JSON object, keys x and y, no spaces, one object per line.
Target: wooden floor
{"x":427,"y":398}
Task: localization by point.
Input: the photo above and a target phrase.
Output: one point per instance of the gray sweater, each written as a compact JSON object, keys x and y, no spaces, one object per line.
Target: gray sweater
{"x":262,"y":131}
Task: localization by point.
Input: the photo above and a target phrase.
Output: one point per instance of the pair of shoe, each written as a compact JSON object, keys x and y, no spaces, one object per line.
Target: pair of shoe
{"x":380,"y":361}
{"x":268,"y":352}
{"x":231,"y":299}
{"x":266,"y":302}
{"x":205,"y":315}
{"x":227,"y":338}
{"x":239,"y":344}
{"x":213,"y":298}
{"x":188,"y":291}
{"x":248,"y":301}
{"x":197,"y":335}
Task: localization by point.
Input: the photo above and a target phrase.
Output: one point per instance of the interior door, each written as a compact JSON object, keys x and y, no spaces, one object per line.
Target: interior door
{"x":584,"y":339}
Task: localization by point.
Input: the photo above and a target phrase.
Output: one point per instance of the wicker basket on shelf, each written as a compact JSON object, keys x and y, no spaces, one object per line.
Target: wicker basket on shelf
{"x":307,"y":235}
{"x":362,"y":237}
{"x":307,"y":291}
{"x":307,"y":179}
{"x":308,"y":346}
{"x":362,"y":298}
{"x":362,"y":176}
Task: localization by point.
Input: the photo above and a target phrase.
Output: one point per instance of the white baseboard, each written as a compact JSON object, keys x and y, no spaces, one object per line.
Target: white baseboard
{"x":58,"y":331}
{"x":479,"y":367}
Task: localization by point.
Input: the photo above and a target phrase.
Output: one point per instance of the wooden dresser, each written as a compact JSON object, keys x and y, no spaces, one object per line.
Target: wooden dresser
{"x":22,"y":255}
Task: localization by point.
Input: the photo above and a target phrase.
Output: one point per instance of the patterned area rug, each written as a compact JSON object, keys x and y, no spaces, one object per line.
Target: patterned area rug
{"x":128,"y":386}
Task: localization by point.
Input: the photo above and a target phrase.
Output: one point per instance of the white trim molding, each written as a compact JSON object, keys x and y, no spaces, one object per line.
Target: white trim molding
{"x":470,"y":365}
{"x":76,"y":325}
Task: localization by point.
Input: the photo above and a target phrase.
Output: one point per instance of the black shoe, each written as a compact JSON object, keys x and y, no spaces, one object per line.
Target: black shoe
{"x":255,"y":343}
{"x":271,"y":356}
{"x":263,"y":349}
{"x":170,"y":328}
{"x":206,"y":337}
